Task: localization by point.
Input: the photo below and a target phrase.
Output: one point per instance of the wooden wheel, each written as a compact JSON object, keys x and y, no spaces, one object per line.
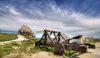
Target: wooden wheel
{"x":59,"y":48}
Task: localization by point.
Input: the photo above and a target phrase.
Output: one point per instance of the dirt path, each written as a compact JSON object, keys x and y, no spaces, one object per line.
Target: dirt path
{"x":45,"y":55}
{"x":41,"y":54}
{"x":19,"y":38}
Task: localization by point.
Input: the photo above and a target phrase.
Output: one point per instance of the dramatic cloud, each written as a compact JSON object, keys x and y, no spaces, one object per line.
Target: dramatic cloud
{"x":68,"y":16}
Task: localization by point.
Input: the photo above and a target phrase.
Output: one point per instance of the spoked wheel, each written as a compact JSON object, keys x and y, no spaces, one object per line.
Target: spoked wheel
{"x":59,"y":49}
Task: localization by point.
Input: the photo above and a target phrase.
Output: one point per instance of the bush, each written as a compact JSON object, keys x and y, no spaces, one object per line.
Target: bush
{"x":5,"y":50}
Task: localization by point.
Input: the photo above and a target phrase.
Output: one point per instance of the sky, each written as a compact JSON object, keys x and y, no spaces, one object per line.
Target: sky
{"x":72,"y":17}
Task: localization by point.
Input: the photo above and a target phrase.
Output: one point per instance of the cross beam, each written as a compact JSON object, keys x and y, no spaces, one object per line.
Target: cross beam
{"x":47,"y":36}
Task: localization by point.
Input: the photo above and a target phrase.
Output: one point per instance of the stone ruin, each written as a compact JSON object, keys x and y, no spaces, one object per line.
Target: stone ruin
{"x":26,"y":31}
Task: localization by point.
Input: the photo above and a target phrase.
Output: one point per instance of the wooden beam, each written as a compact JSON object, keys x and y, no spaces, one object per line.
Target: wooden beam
{"x":55,"y":36}
{"x":51,"y":31}
{"x":50,"y":39}
{"x":58,"y":35}
{"x":62,"y":36}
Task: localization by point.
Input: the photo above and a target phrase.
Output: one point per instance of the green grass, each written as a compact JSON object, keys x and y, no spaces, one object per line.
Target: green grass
{"x":70,"y":53}
{"x":15,"y":44}
{"x":7,"y":37}
{"x":34,"y":50}
{"x":26,"y":46}
{"x":48,"y":49}
{"x":44,"y":48}
{"x":28,"y":42}
{"x":5,"y":50}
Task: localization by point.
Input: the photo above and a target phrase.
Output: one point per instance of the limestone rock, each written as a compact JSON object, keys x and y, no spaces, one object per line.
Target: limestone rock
{"x":25,"y":31}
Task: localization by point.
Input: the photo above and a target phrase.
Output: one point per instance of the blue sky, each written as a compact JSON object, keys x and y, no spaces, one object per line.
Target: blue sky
{"x":71,"y":17}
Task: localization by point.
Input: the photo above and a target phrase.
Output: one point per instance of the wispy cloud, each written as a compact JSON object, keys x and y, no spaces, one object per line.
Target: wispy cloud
{"x":48,"y":15}
{"x":13,"y":11}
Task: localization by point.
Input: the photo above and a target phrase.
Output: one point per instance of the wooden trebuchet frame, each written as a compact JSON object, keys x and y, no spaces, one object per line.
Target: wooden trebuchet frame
{"x":47,"y":36}
{"x":59,"y":43}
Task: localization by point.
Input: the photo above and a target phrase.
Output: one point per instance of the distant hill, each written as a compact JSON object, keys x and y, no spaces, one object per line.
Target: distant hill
{"x":8,"y":31}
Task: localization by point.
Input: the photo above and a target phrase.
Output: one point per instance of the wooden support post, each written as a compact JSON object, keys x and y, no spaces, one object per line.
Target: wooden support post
{"x":58,"y":36}
{"x":50,"y":39}
{"x":62,"y":36}
{"x":55,"y":36}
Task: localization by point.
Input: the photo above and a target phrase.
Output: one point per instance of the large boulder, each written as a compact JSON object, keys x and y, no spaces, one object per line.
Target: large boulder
{"x":26,"y":31}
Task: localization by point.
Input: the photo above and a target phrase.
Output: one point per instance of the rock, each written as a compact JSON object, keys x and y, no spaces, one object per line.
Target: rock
{"x":25,"y":31}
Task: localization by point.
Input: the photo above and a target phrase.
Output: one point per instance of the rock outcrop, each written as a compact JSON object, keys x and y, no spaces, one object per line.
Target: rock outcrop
{"x":25,"y":31}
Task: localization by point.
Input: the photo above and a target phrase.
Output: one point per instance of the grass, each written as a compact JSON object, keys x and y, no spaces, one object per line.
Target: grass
{"x":5,"y":50}
{"x":7,"y":37}
{"x":14,"y":44}
{"x":28,"y":42}
{"x":34,"y":50}
{"x":26,"y":46}
{"x":44,"y":48}
{"x":70,"y":53}
{"x":47,"y":49}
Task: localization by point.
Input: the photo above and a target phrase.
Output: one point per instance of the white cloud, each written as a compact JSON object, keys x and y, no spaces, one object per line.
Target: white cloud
{"x":67,"y":21}
{"x":13,"y":11}
{"x":91,"y":22}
